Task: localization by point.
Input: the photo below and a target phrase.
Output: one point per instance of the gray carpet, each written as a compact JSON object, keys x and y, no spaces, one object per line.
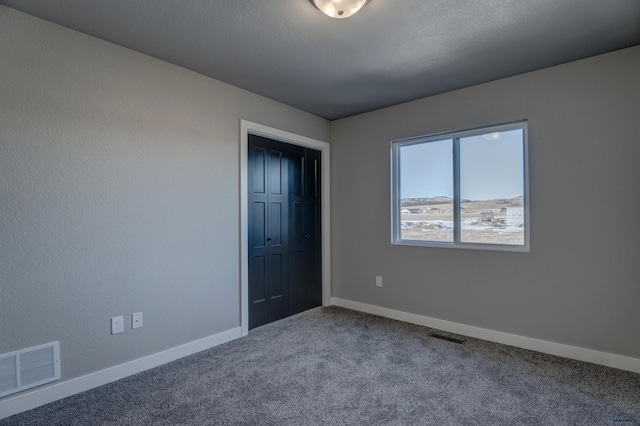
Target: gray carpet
{"x":332,"y":366}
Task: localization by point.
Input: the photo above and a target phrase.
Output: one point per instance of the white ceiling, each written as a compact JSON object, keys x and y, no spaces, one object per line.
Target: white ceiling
{"x":391,"y":52}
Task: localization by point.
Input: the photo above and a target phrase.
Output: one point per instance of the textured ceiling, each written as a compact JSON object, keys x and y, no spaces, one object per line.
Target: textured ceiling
{"x":391,"y":52}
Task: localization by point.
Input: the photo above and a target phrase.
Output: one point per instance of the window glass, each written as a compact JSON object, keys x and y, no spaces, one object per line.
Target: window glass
{"x":426,"y":191}
{"x":492,"y":188}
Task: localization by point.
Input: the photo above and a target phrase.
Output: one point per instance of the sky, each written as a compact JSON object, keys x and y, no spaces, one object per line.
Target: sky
{"x":491,"y":167}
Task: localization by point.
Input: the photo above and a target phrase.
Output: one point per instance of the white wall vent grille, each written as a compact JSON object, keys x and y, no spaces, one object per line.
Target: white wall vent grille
{"x":29,"y":367}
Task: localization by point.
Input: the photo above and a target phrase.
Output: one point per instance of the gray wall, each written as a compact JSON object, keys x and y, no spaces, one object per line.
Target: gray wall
{"x":119,"y":186}
{"x":580,"y":284}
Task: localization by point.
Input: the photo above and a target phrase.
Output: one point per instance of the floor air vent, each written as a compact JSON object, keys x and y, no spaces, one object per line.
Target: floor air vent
{"x":447,"y":338}
{"x":28,"y":368}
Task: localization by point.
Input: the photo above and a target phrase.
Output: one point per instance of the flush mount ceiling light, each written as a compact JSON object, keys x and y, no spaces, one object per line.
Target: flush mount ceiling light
{"x":339,"y":9}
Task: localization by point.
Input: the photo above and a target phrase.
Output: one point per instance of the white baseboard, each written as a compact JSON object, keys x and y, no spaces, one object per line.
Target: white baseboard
{"x":551,"y":348}
{"x":35,"y":398}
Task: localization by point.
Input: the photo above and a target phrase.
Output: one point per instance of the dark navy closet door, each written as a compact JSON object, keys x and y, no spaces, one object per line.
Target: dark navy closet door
{"x":305,"y":220}
{"x":285,"y":256}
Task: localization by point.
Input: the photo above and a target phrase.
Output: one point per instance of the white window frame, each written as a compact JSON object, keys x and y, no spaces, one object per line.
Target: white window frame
{"x":456,"y":136}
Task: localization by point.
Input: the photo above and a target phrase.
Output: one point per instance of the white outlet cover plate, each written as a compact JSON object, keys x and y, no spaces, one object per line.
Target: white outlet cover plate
{"x":117,"y":325}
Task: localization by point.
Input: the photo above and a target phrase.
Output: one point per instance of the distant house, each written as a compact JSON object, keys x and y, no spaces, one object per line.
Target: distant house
{"x":515,"y":216}
{"x":486,"y":216}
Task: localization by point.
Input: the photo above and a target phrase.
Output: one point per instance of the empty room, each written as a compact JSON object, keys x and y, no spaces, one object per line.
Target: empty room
{"x":319,"y":212}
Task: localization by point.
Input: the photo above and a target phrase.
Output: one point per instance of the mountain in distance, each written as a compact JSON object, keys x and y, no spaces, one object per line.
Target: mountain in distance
{"x":426,"y":201}
{"x":429,"y":201}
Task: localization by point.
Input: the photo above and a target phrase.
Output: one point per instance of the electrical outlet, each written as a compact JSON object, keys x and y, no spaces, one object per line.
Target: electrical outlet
{"x":136,"y":320}
{"x":378,"y":281}
{"x":117,"y":325}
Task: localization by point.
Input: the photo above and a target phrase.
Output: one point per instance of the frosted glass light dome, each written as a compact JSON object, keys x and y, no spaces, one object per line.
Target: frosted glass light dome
{"x":339,"y":9}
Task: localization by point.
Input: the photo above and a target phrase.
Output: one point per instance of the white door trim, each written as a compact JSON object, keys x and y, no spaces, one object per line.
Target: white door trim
{"x":246,"y":128}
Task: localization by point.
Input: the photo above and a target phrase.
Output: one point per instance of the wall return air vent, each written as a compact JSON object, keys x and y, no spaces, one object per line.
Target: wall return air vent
{"x":28,"y":368}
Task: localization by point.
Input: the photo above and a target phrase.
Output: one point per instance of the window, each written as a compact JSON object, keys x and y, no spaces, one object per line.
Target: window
{"x":466,"y":189}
